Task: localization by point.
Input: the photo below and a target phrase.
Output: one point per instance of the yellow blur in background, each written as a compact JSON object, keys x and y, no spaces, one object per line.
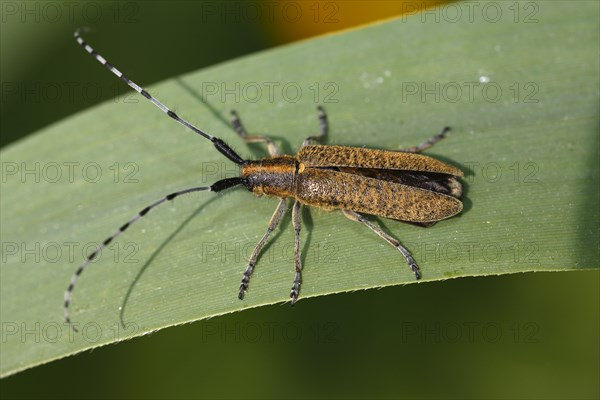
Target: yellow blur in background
{"x":295,"y":20}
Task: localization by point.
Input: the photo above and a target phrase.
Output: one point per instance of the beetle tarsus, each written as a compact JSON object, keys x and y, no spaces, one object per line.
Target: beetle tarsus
{"x":295,"y":288}
{"x":244,"y":286}
{"x":415,"y":269}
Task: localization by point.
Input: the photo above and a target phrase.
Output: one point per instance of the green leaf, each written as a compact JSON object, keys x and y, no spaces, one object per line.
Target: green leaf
{"x":521,"y":96}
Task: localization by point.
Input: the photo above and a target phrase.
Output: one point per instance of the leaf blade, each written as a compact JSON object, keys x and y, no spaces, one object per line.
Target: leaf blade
{"x":530,"y":203}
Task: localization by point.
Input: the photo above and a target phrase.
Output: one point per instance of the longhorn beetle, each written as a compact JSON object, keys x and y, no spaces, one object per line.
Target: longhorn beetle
{"x":401,"y":185}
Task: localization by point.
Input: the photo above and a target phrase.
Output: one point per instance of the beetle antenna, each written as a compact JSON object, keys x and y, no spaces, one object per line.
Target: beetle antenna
{"x":216,"y":187}
{"x":218,"y":143}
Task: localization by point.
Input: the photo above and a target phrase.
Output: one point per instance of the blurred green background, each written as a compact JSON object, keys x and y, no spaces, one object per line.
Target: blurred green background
{"x":517,"y":336}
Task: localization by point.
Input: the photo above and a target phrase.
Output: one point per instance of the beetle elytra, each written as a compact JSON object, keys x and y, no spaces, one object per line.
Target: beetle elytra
{"x":401,"y":185}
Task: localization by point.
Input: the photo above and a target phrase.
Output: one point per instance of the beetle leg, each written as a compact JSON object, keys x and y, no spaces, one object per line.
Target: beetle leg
{"x":239,"y":128}
{"x":324,"y":128}
{"x":428,"y":143}
{"x":275,"y":219}
{"x":297,"y":260}
{"x":394,"y":242}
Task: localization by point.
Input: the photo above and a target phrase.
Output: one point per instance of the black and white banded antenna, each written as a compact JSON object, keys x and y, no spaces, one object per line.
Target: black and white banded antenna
{"x":216,"y":187}
{"x":219,"y":144}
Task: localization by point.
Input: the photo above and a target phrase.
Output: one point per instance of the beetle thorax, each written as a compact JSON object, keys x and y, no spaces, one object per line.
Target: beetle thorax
{"x":271,"y":176}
